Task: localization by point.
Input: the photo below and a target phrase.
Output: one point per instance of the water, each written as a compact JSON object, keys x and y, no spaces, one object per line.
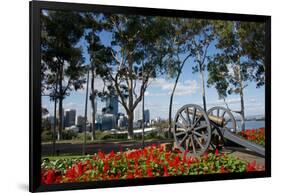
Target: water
{"x":251,"y":124}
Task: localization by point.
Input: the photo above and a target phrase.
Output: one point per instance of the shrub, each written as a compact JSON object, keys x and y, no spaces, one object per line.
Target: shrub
{"x":46,"y":136}
{"x":80,"y":136}
{"x":68,"y":134}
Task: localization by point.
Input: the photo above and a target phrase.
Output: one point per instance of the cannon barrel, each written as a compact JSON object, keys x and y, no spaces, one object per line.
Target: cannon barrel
{"x":213,"y":118}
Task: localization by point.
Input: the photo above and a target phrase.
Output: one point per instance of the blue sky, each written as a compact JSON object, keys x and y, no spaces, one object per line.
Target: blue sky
{"x":158,"y":93}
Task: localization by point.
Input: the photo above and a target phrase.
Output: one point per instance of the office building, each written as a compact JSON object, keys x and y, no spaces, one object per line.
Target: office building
{"x":111,"y":105}
{"x":146,"y":116}
{"x":70,"y":116}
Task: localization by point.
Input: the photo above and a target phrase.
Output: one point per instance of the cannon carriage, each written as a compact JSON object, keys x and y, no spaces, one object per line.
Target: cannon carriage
{"x":195,"y":129}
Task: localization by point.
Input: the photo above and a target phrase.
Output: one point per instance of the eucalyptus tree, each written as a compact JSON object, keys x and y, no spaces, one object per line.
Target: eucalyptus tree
{"x":140,"y":52}
{"x":62,"y":61}
{"x":240,"y":59}
{"x":200,"y":48}
{"x":100,"y":56}
{"x":252,"y":36}
{"x":185,"y":30}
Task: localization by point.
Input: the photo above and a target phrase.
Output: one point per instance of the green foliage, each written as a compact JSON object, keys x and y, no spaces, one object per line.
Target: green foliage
{"x":241,"y":56}
{"x":61,"y":59}
{"x":46,"y":136}
{"x":80,"y":136}
{"x":161,"y":124}
{"x":68,"y":134}
{"x":46,"y":124}
{"x":105,"y":135}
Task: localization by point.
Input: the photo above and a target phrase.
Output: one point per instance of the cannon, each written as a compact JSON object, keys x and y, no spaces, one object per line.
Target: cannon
{"x":194,"y":129}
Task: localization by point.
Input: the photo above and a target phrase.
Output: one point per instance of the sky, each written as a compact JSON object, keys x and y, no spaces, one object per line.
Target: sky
{"x":157,"y":95}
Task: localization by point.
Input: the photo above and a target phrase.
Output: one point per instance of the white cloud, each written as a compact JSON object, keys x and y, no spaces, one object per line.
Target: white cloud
{"x":233,"y":101}
{"x":185,"y":88}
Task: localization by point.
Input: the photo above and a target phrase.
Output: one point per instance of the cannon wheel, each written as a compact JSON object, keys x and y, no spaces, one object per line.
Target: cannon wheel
{"x":229,"y":124}
{"x":192,"y":130}
{"x":221,"y":112}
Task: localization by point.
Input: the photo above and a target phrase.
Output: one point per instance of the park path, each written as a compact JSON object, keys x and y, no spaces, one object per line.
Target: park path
{"x":245,"y":154}
{"x":76,"y":149}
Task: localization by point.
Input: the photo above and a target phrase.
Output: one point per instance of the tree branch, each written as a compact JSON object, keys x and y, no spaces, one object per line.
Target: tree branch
{"x":205,"y":53}
{"x":115,"y":57}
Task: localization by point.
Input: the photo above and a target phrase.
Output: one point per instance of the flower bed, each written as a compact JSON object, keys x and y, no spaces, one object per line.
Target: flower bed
{"x":148,"y":162}
{"x":254,"y":135}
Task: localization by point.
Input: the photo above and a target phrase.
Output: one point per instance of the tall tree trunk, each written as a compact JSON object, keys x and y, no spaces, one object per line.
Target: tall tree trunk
{"x":241,"y":92}
{"x":85,"y":115}
{"x":171,"y":102}
{"x":61,"y":117}
{"x":93,"y":99}
{"x":130,"y":124}
{"x":55,"y":116}
{"x":130,"y":105}
{"x":142,"y":114}
{"x":172,"y":95}
{"x":54,"y":128}
{"x":242,"y":110}
{"x":203,"y":86}
{"x":240,"y":79}
{"x":203,"y":90}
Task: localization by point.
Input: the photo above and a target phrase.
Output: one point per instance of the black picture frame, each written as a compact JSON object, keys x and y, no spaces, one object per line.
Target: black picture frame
{"x":35,"y":97}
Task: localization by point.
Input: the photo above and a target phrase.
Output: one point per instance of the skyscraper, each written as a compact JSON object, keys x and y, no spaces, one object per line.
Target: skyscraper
{"x":108,"y":122}
{"x":70,"y":115}
{"x":146,"y":116}
{"x":80,"y":121}
{"x":111,"y":105}
{"x":138,"y":113}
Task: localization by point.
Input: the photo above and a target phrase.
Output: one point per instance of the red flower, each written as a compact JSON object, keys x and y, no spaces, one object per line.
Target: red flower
{"x":79,"y":169}
{"x":136,"y":163}
{"x":50,"y":177}
{"x":101,"y":154}
{"x":70,"y":173}
{"x":58,"y":179}
{"x":251,"y":166}
{"x":105,"y":167}
{"x":222,"y":170}
{"x":166,"y":173}
{"x":149,"y":172}
{"x":130,"y":175}
{"x":111,"y":154}
{"x":184,"y":155}
{"x":217,"y":152}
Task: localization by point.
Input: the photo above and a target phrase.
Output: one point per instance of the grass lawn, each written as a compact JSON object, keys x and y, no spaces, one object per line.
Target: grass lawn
{"x":76,"y":141}
{"x":65,"y":156}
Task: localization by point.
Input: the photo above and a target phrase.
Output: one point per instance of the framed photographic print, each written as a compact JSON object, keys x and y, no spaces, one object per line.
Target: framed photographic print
{"x":125,"y":96}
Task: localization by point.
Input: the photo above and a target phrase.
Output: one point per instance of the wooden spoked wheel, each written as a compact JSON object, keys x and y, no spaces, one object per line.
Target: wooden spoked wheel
{"x":192,"y":130}
{"x":227,"y":117}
